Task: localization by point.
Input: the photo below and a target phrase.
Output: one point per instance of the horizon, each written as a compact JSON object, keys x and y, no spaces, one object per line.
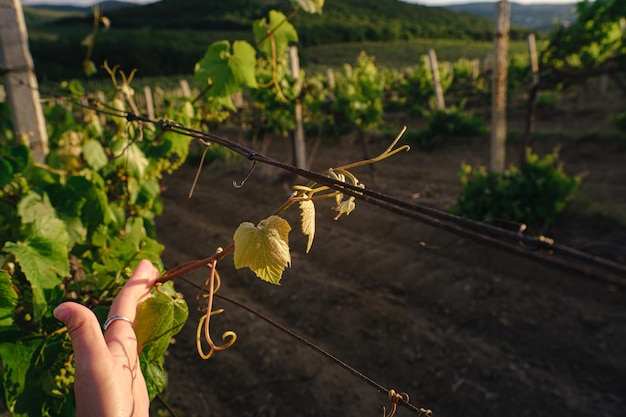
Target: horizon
{"x":433,"y":3}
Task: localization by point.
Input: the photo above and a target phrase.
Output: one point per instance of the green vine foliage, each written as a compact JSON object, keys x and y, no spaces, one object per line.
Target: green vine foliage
{"x":531,"y":196}
{"x":359,"y":93}
{"x":595,"y":44}
{"x":445,"y":124}
{"x":414,"y":86}
{"x":75,"y":226}
{"x":273,"y":103}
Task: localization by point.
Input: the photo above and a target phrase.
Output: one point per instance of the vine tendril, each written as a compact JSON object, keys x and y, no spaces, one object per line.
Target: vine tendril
{"x":229,"y":337}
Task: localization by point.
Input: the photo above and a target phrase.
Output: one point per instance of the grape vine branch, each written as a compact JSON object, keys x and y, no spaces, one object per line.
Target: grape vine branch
{"x":541,"y":249}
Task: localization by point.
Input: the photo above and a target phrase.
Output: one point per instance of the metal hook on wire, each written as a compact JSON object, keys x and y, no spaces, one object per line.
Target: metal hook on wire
{"x":248,"y":175}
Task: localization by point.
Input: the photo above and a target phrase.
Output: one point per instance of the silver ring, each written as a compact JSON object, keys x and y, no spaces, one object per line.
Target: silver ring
{"x":113,"y":318}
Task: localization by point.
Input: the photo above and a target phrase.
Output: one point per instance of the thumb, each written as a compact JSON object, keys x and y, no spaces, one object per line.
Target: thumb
{"x":84,"y":329}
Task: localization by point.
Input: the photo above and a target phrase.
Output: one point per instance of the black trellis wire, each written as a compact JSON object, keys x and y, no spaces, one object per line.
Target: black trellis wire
{"x":538,"y":249}
{"x":354,"y":372}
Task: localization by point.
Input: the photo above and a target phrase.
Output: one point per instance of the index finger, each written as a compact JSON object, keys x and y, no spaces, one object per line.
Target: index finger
{"x":120,"y":335}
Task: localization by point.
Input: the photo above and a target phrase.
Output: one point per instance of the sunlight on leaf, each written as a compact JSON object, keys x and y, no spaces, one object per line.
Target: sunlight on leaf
{"x":263,"y":248}
{"x":310,"y":6}
{"x":43,"y":257}
{"x":227,"y":71}
{"x":94,"y":154}
{"x":8,"y":300}
{"x":130,"y":157}
{"x":34,"y":206}
{"x":159,"y":318}
{"x":344,"y":206}
{"x":282,"y":34}
{"x":307,"y":213}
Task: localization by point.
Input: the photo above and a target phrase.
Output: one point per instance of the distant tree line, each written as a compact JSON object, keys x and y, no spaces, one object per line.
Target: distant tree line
{"x":171,"y":35}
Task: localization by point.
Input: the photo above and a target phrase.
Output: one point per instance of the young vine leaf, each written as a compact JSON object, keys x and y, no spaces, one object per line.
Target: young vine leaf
{"x":130,"y":157}
{"x":226,"y":70}
{"x":307,"y":214}
{"x":159,"y":318}
{"x":43,"y":257}
{"x":34,"y":206}
{"x":16,"y":363}
{"x":344,"y":206}
{"x":94,"y":154}
{"x":310,"y":6}
{"x":278,"y":31}
{"x":6,"y":171}
{"x":8,"y":300}
{"x":263,"y":248}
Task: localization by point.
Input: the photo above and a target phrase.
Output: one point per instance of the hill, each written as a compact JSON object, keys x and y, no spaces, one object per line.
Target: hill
{"x":535,"y":16}
{"x":42,"y":14}
{"x":342,"y":20}
{"x":169,"y":36}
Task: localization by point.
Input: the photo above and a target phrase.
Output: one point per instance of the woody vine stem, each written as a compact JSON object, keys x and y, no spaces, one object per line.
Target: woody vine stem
{"x":302,"y":194}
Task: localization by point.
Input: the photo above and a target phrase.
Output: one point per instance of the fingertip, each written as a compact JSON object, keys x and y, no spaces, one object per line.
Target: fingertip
{"x":145,"y":269}
{"x":72,"y":313}
{"x":82,"y":325}
{"x":66,"y":311}
{"x":61,"y":312}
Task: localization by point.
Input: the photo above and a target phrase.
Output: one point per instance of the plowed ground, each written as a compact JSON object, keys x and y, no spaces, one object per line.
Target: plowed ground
{"x":464,"y":329}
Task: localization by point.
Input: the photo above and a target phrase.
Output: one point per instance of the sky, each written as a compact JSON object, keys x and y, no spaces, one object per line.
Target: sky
{"x":423,"y":2}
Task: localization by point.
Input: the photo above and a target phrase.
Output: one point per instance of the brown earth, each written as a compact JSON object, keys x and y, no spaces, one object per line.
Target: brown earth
{"x":464,"y":329}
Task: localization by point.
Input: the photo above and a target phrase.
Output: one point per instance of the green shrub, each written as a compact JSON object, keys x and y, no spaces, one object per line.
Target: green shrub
{"x":620,"y":122}
{"x":548,"y":100}
{"x":533,"y":195}
{"x":442,"y":124}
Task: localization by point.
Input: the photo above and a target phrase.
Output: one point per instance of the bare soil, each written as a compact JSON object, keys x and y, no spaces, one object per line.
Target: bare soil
{"x":464,"y":329}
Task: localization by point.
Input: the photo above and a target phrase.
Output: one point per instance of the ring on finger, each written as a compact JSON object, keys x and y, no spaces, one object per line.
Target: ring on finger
{"x":111,"y":319}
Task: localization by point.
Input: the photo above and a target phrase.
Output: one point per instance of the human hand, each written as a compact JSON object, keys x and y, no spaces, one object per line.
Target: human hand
{"x":108,"y":379}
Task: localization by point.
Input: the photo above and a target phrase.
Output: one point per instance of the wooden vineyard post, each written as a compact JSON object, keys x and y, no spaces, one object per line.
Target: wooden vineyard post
{"x":499,"y":84}
{"x":20,"y":81}
{"x":531,"y":109}
{"x":299,"y":146}
{"x":330,"y":74}
{"x":534,"y":60}
{"x":147,"y":92}
{"x":102,"y":99}
{"x":184,"y":88}
{"x":434,"y":68}
{"x":475,"y":71}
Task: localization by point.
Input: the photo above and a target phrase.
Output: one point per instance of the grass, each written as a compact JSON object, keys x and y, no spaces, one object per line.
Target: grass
{"x":398,"y":54}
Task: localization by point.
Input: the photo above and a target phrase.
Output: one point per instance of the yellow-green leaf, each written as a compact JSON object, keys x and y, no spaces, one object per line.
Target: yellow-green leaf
{"x":307,"y":213}
{"x":277,"y":31}
{"x":263,"y":248}
{"x":106,"y":22}
{"x":344,"y":206}
{"x":159,"y":318}
{"x":310,"y":6}
{"x":88,"y":41}
{"x":8,"y":300}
